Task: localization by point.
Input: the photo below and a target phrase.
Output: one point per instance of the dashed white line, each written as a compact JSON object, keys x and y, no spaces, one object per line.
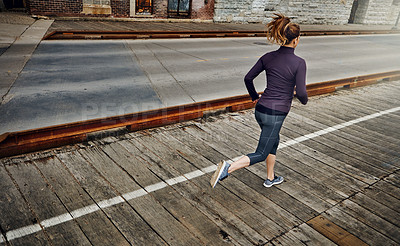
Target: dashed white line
{"x":27,"y":230}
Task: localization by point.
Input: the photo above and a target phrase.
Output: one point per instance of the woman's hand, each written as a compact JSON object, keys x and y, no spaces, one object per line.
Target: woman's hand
{"x":256,"y":101}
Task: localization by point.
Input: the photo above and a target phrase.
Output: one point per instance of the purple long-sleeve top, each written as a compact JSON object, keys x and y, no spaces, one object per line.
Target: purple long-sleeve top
{"x":284,"y":71}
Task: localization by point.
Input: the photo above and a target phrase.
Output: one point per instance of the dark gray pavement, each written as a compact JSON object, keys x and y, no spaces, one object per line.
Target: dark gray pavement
{"x":69,"y":81}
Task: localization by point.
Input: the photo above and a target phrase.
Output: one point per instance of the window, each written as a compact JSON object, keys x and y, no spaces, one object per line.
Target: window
{"x":144,"y":6}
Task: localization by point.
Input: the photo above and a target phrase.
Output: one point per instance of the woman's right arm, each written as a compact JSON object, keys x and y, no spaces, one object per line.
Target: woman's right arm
{"x":249,"y":78}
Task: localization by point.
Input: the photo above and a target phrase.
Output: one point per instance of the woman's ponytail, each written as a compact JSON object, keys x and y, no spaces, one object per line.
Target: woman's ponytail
{"x":281,"y":31}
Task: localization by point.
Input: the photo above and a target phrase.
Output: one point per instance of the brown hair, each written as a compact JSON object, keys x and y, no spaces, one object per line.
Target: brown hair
{"x":281,"y":31}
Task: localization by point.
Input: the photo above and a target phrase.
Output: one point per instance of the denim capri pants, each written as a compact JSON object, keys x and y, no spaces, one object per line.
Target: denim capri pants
{"x":269,"y":138}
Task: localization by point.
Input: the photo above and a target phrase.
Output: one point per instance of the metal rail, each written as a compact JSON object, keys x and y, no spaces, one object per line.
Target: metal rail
{"x":21,"y":142}
{"x":75,"y":34}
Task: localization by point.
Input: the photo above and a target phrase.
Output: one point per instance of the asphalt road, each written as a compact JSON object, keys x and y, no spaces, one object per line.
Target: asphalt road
{"x":69,"y":81}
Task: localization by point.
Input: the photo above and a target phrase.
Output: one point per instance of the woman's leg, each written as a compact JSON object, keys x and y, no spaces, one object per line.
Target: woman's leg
{"x":244,"y":161}
{"x":270,"y":166}
{"x":269,"y":138}
{"x":271,"y":160}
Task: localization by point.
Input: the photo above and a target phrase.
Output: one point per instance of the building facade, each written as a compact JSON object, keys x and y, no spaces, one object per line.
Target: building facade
{"x":197,"y":9}
{"x":336,"y":12}
{"x":240,"y":11}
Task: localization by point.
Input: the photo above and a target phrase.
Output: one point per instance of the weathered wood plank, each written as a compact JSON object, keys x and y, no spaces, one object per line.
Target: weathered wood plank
{"x":360,"y":102}
{"x":227,"y":221}
{"x":330,"y":120}
{"x":377,"y":208}
{"x":381,"y":97}
{"x":355,"y":227}
{"x":128,"y":222}
{"x":279,"y":197}
{"x":291,"y":188}
{"x":287,"y":239}
{"x":179,"y":207}
{"x":15,"y":213}
{"x":96,"y":226}
{"x":292,"y":164}
{"x":368,"y":137}
{"x":370,"y":219}
{"x":240,"y":208}
{"x":325,"y":173}
{"x":388,"y":188}
{"x":334,"y":232}
{"x":382,"y":126}
{"x":306,"y":196}
{"x":259,"y":202}
{"x":309,"y":236}
{"x":333,"y":192}
{"x":394,"y":178}
{"x":45,"y":204}
{"x":336,"y":163}
{"x":382,"y":197}
{"x":333,"y":152}
{"x":146,"y":206}
{"x":354,"y":149}
{"x":350,"y":149}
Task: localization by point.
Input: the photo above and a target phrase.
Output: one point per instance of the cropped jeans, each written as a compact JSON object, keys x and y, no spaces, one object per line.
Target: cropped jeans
{"x":269,"y":138}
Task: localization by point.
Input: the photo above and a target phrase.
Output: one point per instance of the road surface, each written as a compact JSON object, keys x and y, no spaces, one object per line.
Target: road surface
{"x":69,"y":81}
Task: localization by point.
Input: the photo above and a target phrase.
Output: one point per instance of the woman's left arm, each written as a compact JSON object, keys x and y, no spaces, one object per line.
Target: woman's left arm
{"x":301,"y":92}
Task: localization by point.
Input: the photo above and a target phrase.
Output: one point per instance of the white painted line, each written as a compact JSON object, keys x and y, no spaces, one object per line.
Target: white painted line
{"x":155,"y":187}
{"x":194,"y":174}
{"x":27,"y":230}
{"x":23,"y":231}
{"x":134,"y":194}
{"x":56,"y":220}
{"x":84,"y":211}
{"x":176,"y":180}
{"x":209,"y":169}
{"x":111,"y":202}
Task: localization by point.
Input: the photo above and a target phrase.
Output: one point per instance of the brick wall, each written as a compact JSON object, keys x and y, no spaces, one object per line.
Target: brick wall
{"x":55,"y":7}
{"x":202,"y":9}
{"x":120,"y":8}
{"x":160,"y":8}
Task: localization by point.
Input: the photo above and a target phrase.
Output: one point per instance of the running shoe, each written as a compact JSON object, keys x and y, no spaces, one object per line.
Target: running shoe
{"x":220,"y":173}
{"x":277,"y":180}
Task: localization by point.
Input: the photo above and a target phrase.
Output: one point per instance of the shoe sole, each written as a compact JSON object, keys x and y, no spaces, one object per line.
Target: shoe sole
{"x":217,"y":174}
{"x":272,"y":184}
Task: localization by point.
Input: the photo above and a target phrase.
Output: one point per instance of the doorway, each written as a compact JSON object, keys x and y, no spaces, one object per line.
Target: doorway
{"x":358,"y":11}
{"x":14,"y":4}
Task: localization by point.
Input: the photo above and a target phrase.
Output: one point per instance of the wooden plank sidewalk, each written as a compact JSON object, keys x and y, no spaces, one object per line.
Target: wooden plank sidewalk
{"x":339,"y":155}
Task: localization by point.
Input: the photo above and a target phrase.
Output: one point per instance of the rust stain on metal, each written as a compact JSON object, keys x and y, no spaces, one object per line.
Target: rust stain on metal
{"x":15,"y":143}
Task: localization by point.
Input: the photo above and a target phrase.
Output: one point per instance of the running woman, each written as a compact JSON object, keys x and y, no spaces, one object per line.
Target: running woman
{"x":285,"y":71}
